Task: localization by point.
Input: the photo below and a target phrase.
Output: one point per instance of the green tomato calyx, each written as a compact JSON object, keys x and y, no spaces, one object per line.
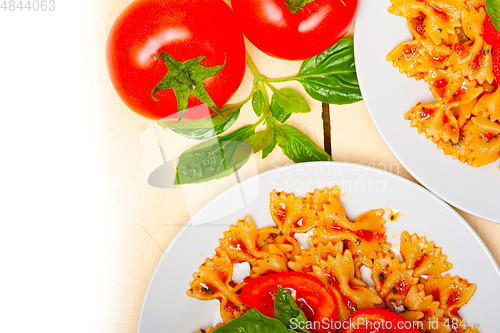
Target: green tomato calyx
{"x":186,"y":78}
{"x":296,"y":6}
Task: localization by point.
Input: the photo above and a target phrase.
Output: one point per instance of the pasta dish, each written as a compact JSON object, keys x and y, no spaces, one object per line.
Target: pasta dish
{"x":449,"y":53}
{"x":352,"y":258}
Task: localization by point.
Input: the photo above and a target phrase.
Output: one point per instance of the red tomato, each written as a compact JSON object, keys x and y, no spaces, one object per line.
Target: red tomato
{"x":496,"y":62}
{"x":312,"y":296}
{"x":376,"y":321}
{"x":274,"y":30}
{"x":185,"y":29}
{"x":491,"y":35}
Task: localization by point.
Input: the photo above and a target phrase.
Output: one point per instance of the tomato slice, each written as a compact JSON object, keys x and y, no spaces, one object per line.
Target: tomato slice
{"x":312,"y":296}
{"x":496,"y":62}
{"x":376,"y":321}
{"x":491,"y":35}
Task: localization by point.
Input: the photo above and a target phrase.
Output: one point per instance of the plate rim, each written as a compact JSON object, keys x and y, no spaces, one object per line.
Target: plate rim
{"x":333,"y":165}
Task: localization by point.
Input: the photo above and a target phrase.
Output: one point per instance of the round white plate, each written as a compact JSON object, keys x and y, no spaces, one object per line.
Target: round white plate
{"x":389,"y":94}
{"x":167,"y":308}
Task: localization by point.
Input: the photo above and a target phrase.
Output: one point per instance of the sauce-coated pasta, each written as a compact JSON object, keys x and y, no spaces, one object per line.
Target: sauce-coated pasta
{"x":336,"y":251}
{"x":449,"y":53}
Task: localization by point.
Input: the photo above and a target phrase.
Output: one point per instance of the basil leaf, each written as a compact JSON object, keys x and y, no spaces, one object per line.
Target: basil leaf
{"x":207,"y":127}
{"x":299,"y":147}
{"x":493,"y":9}
{"x":291,"y":100}
{"x":253,"y":322}
{"x":278,"y":112}
{"x":268,"y":149}
{"x":215,"y":158}
{"x":288,"y":312}
{"x":258,"y":103}
{"x":261,"y":139}
{"x":330,"y":77}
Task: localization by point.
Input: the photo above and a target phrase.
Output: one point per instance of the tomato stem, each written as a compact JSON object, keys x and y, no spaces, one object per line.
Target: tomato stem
{"x":296,"y":6}
{"x":186,"y":79}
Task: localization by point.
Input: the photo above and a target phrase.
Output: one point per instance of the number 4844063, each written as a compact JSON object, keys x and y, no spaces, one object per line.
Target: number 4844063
{"x":28,"y":5}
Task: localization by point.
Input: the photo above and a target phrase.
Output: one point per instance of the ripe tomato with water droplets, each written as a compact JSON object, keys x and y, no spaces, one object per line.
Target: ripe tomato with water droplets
{"x":201,"y":30}
{"x":294,"y":29}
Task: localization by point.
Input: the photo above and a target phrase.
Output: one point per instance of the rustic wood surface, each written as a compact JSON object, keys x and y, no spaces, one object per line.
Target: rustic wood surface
{"x":141,"y":220}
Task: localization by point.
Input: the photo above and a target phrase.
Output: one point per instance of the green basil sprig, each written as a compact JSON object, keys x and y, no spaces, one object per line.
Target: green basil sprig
{"x":268,"y":149}
{"x":493,"y":10}
{"x":261,"y":139}
{"x":290,"y":100}
{"x":215,"y":158}
{"x":253,"y":322}
{"x":299,"y":147}
{"x":205,"y":128}
{"x":278,"y":112}
{"x":287,"y":316}
{"x":258,"y":103}
{"x":288,"y":312}
{"x":329,"y":77}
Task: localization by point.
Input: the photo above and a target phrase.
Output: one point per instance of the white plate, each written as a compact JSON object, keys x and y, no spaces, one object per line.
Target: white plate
{"x":167,"y":308}
{"x":389,"y":94}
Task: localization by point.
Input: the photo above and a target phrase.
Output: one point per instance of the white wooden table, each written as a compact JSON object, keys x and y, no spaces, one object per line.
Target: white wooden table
{"x":141,"y":220}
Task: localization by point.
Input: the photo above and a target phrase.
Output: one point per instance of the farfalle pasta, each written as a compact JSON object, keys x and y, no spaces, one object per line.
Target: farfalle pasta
{"x":449,"y":53}
{"x":336,"y":250}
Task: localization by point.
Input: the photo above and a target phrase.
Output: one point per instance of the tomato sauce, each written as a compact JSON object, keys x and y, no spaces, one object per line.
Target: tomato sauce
{"x":438,"y":58}
{"x":402,"y":287}
{"x":237,"y":244}
{"x":436,"y":295}
{"x":454,"y":297}
{"x":425,"y":113}
{"x":461,"y":50}
{"x":458,"y":95}
{"x":336,"y":227}
{"x":409,"y":51}
{"x":441,"y":13}
{"x":440,"y":84}
{"x":476,"y":64}
{"x":418,"y":25}
{"x":419,"y":261}
{"x":280,"y":212}
{"x":231,"y":307}
{"x":486,"y":136}
{"x":368,"y":235}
